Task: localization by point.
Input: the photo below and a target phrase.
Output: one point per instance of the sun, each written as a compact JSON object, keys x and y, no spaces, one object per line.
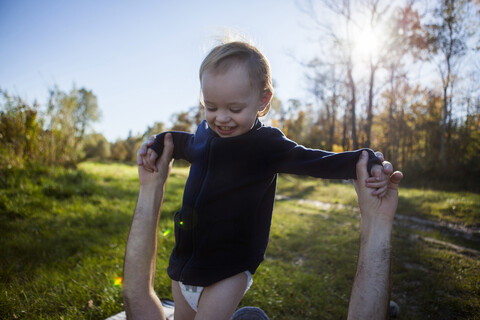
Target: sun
{"x":367,"y":42}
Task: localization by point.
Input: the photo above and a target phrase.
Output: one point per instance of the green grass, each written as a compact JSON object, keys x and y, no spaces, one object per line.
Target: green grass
{"x":64,"y":232}
{"x":456,"y":207}
{"x":63,"y":239}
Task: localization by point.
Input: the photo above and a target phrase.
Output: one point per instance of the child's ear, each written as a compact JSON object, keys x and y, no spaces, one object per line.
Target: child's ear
{"x":265,"y":100}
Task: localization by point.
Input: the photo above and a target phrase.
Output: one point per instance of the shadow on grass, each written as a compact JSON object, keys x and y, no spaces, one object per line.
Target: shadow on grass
{"x":431,"y":281}
{"x":311,"y":263}
{"x":288,"y":185}
{"x":309,"y":266}
{"x":57,"y":218}
{"x":63,"y":238}
{"x":59,"y":242}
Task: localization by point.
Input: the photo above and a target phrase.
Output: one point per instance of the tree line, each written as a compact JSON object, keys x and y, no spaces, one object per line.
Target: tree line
{"x":50,"y":136}
{"x":427,"y":127}
{"x":368,"y":91}
{"x":60,"y":134}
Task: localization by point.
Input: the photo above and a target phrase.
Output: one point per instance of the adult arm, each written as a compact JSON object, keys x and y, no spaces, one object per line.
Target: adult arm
{"x":140,"y":299}
{"x":370,"y":294}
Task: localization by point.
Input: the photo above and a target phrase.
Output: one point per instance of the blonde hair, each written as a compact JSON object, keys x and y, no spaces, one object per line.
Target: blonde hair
{"x":223,"y":56}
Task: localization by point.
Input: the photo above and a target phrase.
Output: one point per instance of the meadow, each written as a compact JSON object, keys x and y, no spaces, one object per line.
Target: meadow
{"x":63,"y":236}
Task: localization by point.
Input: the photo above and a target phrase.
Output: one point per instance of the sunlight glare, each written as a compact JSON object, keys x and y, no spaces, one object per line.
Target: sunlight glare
{"x":367,"y":44}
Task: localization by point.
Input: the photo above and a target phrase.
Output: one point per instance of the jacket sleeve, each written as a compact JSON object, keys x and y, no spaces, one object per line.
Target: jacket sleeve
{"x":181,"y":141}
{"x":296,"y":159}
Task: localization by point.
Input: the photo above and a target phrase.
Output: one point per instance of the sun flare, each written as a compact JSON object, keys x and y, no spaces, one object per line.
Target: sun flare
{"x":367,"y":44}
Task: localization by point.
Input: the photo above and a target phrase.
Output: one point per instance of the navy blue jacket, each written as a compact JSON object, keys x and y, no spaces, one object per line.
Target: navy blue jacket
{"x":223,"y":226}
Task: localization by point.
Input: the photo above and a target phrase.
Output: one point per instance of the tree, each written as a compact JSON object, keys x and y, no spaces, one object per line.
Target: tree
{"x":85,"y":112}
{"x":19,"y":130}
{"x":187,"y":120}
{"x":448,"y":34}
{"x":155,"y":129}
{"x":119,"y":151}
{"x":326,"y":81}
{"x":68,"y":116}
{"x":95,"y":146}
{"x":405,"y":41}
{"x":132,"y":144}
{"x":359,"y":50}
{"x":338,"y":39}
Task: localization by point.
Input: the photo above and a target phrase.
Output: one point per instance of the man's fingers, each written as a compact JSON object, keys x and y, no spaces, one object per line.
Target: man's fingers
{"x":141,"y":153}
{"x":376,"y":184}
{"x":362,"y":173}
{"x":379,"y":155}
{"x":145,"y":164}
{"x":143,"y":148}
{"x":387,"y":168}
{"x":167,"y":152}
{"x":383,"y":194}
{"x":380,"y":191}
{"x":394,"y":180}
{"x":396,"y":177}
{"x":150,"y":140}
{"x":152,"y":155}
{"x":377,"y":171}
{"x":151,"y":158}
{"x":168,"y":147}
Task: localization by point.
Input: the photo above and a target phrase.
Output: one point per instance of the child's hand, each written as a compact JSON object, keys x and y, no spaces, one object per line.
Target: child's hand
{"x":380,"y":177}
{"x":147,"y":157}
{"x":162,"y":168}
{"x":370,"y":205}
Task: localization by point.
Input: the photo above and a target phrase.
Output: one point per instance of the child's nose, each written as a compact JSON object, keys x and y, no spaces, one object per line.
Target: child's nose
{"x":223,"y":117}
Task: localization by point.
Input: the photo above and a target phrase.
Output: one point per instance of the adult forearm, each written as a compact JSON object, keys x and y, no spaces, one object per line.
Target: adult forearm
{"x":371,"y":288}
{"x":140,"y":256}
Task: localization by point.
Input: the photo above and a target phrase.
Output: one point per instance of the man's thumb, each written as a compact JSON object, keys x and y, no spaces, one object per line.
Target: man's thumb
{"x":362,"y":162}
{"x":168,"y":146}
{"x":395,"y":179}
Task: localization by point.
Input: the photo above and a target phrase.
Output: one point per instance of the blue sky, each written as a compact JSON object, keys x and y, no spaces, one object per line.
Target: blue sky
{"x":141,"y":58}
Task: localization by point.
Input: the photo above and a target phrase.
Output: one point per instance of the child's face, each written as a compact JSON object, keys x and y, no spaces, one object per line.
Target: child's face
{"x":231,"y":104}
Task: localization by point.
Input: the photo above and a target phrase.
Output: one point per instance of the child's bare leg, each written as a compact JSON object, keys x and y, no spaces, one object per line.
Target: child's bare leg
{"x":219,"y":301}
{"x":183,"y":311}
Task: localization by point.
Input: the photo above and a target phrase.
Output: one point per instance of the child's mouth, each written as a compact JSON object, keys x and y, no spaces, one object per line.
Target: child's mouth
{"x":225,"y":130}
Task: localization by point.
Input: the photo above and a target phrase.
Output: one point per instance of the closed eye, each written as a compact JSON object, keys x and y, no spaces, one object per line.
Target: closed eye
{"x":211,"y":109}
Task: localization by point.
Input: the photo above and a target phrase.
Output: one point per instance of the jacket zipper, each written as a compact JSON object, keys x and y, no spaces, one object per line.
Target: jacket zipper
{"x":204,"y":174}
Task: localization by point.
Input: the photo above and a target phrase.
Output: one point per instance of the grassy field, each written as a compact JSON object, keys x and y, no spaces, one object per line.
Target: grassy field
{"x":64,"y":232}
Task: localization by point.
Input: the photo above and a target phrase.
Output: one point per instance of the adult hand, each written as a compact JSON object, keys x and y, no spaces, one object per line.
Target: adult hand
{"x":380,"y":176}
{"x":371,"y":205}
{"x":147,"y":157}
{"x":161,"y":169}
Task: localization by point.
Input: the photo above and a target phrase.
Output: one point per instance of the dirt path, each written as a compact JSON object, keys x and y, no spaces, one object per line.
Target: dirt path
{"x":469,"y":233}
{"x":459,"y":230}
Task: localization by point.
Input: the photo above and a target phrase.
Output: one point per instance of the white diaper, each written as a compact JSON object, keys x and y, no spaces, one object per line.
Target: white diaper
{"x":192,"y":293}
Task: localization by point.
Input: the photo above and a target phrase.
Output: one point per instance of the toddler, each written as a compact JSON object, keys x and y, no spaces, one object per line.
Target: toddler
{"x":222,"y":229}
